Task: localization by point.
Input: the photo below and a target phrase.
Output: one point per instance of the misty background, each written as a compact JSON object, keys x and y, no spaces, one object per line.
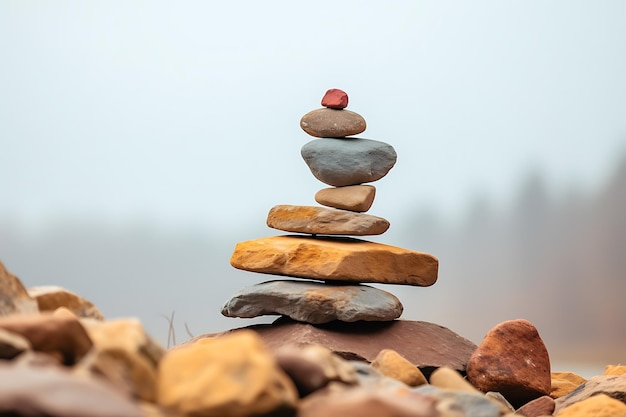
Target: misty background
{"x":140,"y":141}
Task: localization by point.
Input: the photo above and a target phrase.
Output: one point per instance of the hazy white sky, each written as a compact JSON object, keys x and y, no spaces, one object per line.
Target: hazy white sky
{"x":184,"y":112}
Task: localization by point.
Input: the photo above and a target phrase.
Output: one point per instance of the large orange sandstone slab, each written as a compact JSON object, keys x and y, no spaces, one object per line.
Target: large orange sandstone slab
{"x":335,"y":259}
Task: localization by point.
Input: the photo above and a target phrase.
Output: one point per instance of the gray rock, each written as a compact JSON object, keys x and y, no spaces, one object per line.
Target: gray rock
{"x":451,"y":402}
{"x":351,"y":161}
{"x":314,"y":302}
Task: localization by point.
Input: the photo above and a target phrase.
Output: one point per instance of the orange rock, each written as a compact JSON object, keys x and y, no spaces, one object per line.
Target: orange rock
{"x":15,"y":298}
{"x":51,"y":297}
{"x":564,"y":382}
{"x":600,"y":405}
{"x":615,"y":370}
{"x":390,"y":363}
{"x":324,"y":221}
{"x":351,"y":197}
{"x":335,"y":259}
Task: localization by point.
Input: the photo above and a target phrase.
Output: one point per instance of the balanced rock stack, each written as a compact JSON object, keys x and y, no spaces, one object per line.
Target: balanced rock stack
{"x":325,"y":250}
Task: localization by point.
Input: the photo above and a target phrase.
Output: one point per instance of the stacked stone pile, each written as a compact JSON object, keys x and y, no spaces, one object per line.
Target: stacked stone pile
{"x":327,"y":249}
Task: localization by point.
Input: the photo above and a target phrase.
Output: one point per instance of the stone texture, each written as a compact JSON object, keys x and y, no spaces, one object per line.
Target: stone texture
{"x":460,"y":403}
{"x":354,"y":161}
{"x":230,"y":376}
{"x":51,"y":297}
{"x":332,"y":123}
{"x":365,"y":401}
{"x":335,"y":259}
{"x":324,"y":221}
{"x":513,"y":360}
{"x":312,"y":367}
{"x":426,"y":345}
{"x":615,"y":370}
{"x":335,"y":99}
{"x":391,"y":364}
{"x":564,"y":382}
{"x":314,"y":302}
{"x":450,"y":379}
{"x":357,"y":198}
{"x":36,"y":388}
{"x":124,"y":334}
{"x":63,"y":338}
{"x":542,"y":406}
{"x":12,"y":344}
{"x":600,"y":405}
{"x":129,"y":372}
{"x":14,"y":298}
{"x":611,"y":385}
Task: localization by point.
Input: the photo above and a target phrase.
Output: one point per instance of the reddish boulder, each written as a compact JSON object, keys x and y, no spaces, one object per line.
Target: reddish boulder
{"x":335,"y":99}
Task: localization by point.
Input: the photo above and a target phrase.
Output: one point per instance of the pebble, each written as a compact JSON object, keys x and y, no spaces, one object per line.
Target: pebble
{"x":314,"y":302}
{"x":391,"y":364}
{"x":357,"y":198}
{"x":324,"y":221}
{"x":332,"y":123}
{"x":335,"y":259}
{"x":335,"y":99}
{"x":513,"y":360}
{"x":340,"y":162}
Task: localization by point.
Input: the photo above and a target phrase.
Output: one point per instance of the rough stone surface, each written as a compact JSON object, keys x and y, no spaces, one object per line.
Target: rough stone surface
{"x":600,"y":405}
{"x":615,"y":370}
{"x":391,"y":364}
{"x":14,"y":298}
{"x":324,"y":221}
{"x":314,"y":302}
{"x":335,"y":99}
{"x":513,"y":360}
{"x":366,"y":401}
{"x":564,"y":382}
{"x":312,"y":367}
{"x":335,"y":259}
{"x":542,"y":406}
{"x":332,"y":123}
{"x":426,"y":345}
{"x":357,"y":198}
{"x":341,"y":162}
{"x":229,"y":376}
{"x":51,"y":297}
{"x":64,"y":338}
{"x":612,"y":385}
{"x":37,"y":388}
{"x":124,"y":334}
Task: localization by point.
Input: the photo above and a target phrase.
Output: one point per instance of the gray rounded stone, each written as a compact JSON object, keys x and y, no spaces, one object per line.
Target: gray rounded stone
{"x":314,"y":302}
{"x":353,"y":161}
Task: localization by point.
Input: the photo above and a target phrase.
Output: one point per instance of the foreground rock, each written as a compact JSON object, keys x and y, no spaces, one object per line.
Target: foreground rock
{"x":332,"y":123}
{"x":230,"y":376}
{"x":354,"y":161}
{"x":51,"y":297}
{"x":613,"y":386}
{"x":335,"y":259}
{"x":14,"y":298}
{"x":393,"y":365}
{"x":38,"y":388}
{"x":513,"y":360}
{"x":324,"y":221}
{"x":425,"y":345}
{"x":357,"y":198}
{"x":314,"y":302}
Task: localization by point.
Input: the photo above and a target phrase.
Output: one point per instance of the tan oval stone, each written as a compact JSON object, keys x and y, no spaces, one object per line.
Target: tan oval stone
{"x":391,"y":364}
{"x":229,"y":376}
{"x":335,"y":259}
{"x":357,"y":198}
{"x":332,"y":123}
{"x":51,"y":297}
{"x":448,"y":378}
{"x":324,"y":221}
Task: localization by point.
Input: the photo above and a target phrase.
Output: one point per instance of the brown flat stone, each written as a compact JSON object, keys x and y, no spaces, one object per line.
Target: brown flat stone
{"x":335,"y":259}
{"x":425,"y":345}
{"x":324,"y":221}
{"x":351,"y":197}
{"x":332,"y":123}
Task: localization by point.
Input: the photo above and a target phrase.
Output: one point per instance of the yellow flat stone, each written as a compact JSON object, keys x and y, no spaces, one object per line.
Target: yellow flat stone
{"x":335,"y":259}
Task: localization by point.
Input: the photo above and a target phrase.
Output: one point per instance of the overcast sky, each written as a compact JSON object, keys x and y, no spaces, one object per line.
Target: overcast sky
{"x":188,"y":112}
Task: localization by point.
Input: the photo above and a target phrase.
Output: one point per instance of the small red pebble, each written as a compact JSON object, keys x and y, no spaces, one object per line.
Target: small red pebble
{"x":335,"y":99}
